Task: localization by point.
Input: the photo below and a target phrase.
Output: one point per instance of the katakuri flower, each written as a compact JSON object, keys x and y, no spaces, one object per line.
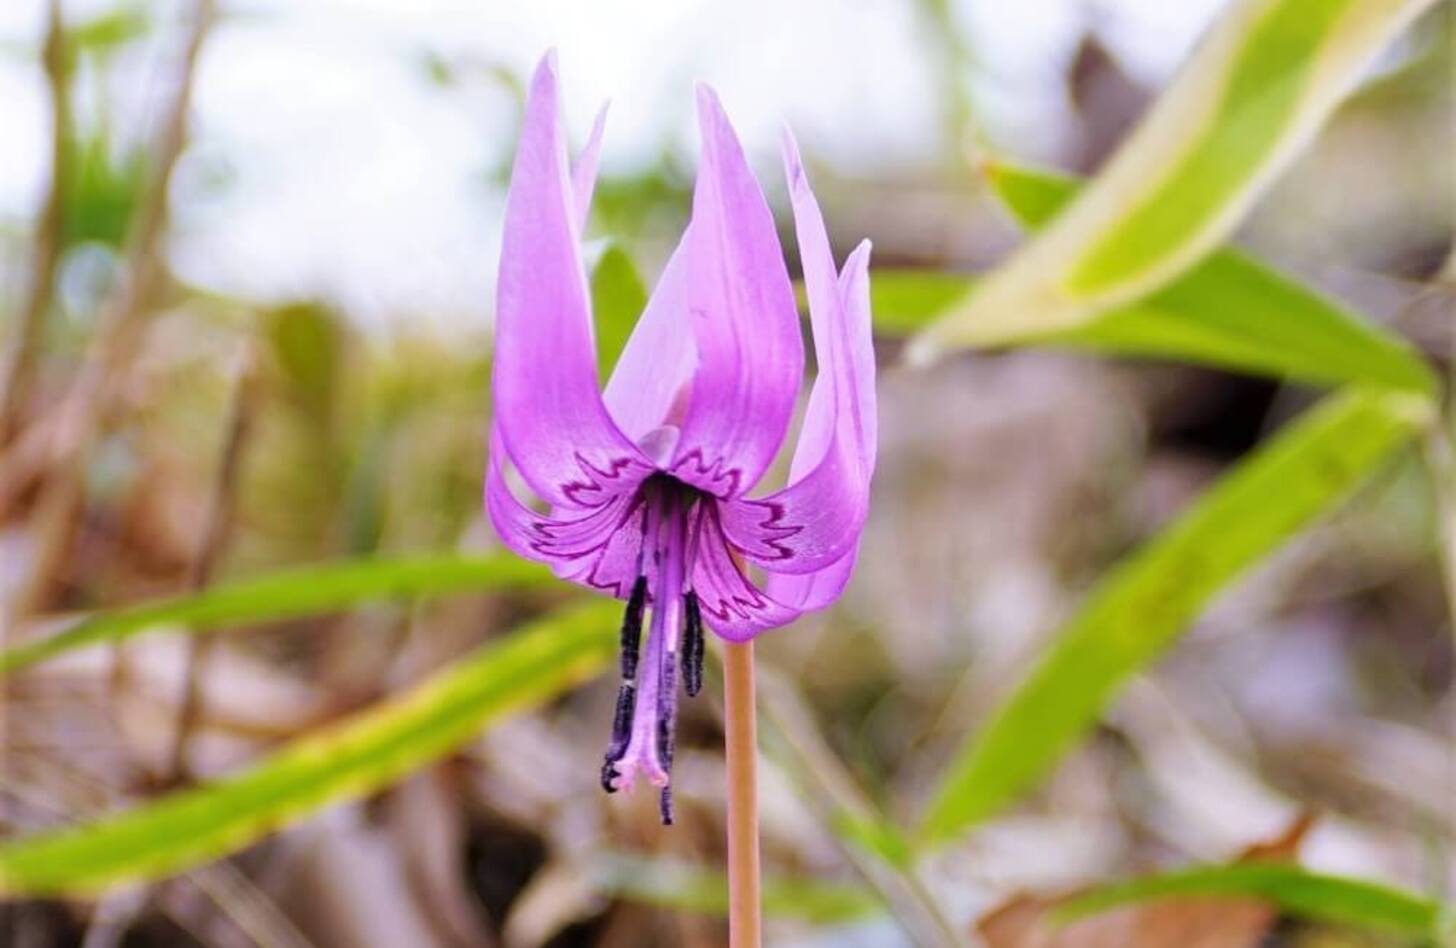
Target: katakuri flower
{"x":647,"y":483}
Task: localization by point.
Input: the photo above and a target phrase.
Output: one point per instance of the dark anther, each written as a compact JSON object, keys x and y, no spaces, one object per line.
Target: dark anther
{"x":666,"y":734}
{"x":621,"y":736}
{"x":692,"y":651}
{"x":665,"y":749}
{"x":632,"y":628}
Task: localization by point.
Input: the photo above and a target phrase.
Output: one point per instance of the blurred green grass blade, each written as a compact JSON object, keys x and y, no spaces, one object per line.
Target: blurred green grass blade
{"x":1254,"y":92}
{"x":1228,"y":311}
{"x":298,"y":592}
{"x":1149,"y":599}
{"x":1253,"y":320}
{"x":1315,"y":896}
{"x":906,"y":301}
{"x":618,"y":297}
{"x":106,"y":33}
{"x":350,"y":759}
{"x":674,"y":883}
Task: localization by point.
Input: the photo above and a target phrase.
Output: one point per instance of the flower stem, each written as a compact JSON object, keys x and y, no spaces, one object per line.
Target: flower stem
{"x":741,"y":742}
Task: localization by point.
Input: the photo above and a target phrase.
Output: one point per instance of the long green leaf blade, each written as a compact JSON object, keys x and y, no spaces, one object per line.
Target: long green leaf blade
{"x":1149,"y":599}
{"x":357,"y":756}
{"x":1229,"y":311}
{"x":1311,"y":895}
{"x":1255,"y":91}
{"x":290,"y":594}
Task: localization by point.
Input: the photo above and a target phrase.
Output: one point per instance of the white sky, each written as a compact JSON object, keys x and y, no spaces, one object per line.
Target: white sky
{"x":351,"y":176}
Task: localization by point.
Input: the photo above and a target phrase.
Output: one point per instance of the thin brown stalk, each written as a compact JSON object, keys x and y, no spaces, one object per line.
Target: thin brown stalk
{"x":217,"y":527}
{"x":249,"y":907}
{"x":1441,"y":457}
{"x":121,"y":321}
{"x":741,"y":748}
{"x":837,"y":798}
{"x":113,"y":917}
{"x":1441,"y":460}
{"x":18,"y":374}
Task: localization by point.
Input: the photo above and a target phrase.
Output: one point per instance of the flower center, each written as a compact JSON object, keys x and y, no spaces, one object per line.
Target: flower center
{"x":645,"y":722}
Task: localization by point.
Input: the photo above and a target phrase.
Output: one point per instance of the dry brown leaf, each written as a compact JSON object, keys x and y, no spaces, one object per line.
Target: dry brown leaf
{"x":1026,"y":921}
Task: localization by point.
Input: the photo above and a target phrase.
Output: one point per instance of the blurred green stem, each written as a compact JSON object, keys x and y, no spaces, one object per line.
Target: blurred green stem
{"x":82,"y":413}
{"x":216,"y":530}
{"x":1441,"y":454}
{"x":871,"y":842}
{"x":957,"y":61}
{"x":1441,"y":460}
{"x":15,"y":385}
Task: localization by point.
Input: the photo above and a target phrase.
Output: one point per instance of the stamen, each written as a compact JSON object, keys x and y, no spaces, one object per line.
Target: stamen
{"x":632,"y":628}
{"x":693,"y":645}
{"x":666,"y":736}
{"x":621,"y":735}
{"x":645,"y":725}
{"x":622,"y":720}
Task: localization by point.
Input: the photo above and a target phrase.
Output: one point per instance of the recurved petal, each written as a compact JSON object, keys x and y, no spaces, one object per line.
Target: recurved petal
{"x":598,"y":548}
{"x":613,"y":567}
{"x":750,"y":355}
{"x":732,"y":606}
{"x":654,"y":373}
{"x":809,"y":591}
{"x":549,"y":412}
{"x":839,"y":311}
{"x":814,"y":522}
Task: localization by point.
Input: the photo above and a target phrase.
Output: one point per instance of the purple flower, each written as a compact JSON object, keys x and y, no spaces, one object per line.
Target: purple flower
{"x":648,"y":482}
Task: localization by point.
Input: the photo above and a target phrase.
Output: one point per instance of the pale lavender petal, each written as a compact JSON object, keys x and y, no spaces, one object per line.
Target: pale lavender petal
{"x":550,"y":415}
{"x":615,"y":566}
{"x":732,"y":606}
{"x":825,"y":312}
{"x":809,"y":591}
{"x":655,"y":370}
{"x":584,"y":175}
{"x":598,"y":548}
{"x":807,"y":525}
{"x":816,"y":520}
{"x":750,"y":354}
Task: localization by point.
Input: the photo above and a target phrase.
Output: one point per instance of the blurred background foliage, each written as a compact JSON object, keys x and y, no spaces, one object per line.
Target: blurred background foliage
{"x":246,"y":315}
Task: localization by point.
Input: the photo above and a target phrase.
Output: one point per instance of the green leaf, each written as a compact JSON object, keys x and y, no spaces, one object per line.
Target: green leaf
{"x":674,"y":883}
{"x":350,"y":759}
{"x":905,"y":301}
{"x":290,"y":594}
{"x":104,"y":184}
{"x":1149,"y":599}
{"x":618,"y":296}
{"x":1255,"y":91}
{"x":308,"y":341}
{"x":106,"y":33}
{"x":1228,"y":311}
{"x":1315,"y":896}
